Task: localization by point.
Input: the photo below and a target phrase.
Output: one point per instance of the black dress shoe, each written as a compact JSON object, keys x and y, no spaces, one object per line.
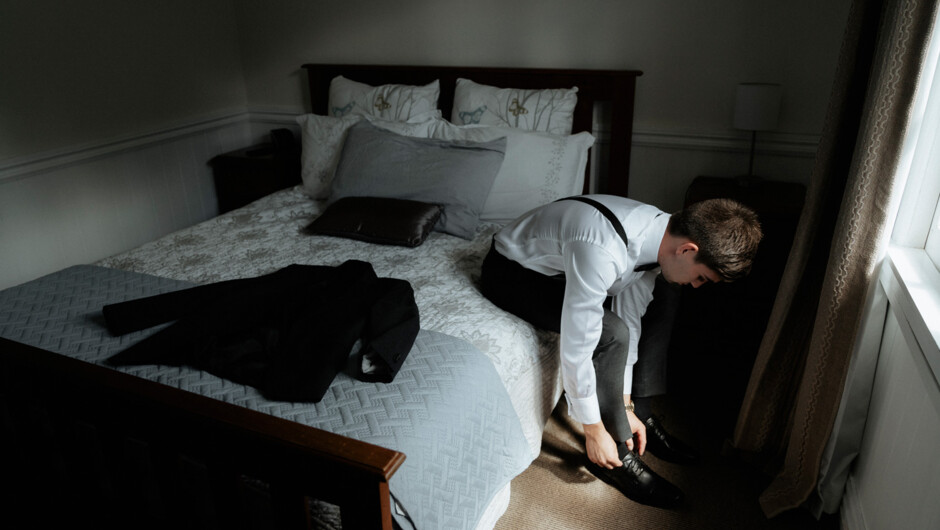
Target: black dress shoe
{"x":639,"y":483}
{"x":666,"y":446}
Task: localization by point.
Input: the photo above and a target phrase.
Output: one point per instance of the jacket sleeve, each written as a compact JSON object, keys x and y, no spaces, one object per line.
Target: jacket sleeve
{"x":390,"y":332}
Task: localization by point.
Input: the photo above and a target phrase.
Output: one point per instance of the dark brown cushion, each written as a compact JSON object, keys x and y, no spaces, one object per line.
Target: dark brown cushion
{"x":378,"y":220}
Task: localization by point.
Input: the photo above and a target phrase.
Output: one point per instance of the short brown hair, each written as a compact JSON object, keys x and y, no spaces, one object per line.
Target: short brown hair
{"x":726,"y":232}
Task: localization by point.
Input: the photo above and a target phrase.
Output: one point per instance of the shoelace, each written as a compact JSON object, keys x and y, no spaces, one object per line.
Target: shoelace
{"x":634,"y":465}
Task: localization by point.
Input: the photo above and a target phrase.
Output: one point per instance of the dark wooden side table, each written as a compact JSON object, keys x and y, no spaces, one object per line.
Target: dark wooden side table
{"x":248,"y":174}
{"x":719,"y":328}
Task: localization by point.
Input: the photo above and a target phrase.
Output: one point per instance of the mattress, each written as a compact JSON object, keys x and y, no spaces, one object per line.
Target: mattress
{"x":444,"y":271}
{"x":446,"y":409}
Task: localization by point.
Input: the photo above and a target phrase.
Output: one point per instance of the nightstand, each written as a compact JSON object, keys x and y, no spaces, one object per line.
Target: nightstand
{"x":247,"y":174}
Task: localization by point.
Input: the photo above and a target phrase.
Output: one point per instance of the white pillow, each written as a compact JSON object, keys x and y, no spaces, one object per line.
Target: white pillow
{"x":538,"y":167}
{"x":548,"y":110}
{"x":322,"y":137}
{"x":387,"y":102}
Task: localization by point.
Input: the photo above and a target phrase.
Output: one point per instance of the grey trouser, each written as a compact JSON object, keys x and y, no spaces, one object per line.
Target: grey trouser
{"x":538,"y":299}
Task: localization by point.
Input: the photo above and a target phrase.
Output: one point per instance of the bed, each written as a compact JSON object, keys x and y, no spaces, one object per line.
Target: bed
{"x":434,"y":447}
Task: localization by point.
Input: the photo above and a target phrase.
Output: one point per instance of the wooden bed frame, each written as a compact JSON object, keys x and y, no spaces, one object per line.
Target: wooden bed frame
{"x":85,"y":442}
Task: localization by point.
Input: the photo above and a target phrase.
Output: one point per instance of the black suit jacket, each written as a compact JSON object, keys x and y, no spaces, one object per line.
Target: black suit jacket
{"x":287,"y":333}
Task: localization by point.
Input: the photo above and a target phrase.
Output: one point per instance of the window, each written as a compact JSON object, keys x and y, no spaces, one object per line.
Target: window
{"x":913,"y":282}
{"x":933,"y":237}
{"x":917,"y":219}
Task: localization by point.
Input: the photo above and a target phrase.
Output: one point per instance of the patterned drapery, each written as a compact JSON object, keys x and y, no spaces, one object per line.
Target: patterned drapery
{"x":797,"y":381}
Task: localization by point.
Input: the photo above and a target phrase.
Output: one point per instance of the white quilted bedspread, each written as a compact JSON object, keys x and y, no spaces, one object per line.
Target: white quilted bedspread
{"x":267,"y":235}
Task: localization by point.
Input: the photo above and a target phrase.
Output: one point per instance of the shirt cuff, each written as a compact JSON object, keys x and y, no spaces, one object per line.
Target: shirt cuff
{"x":585,"y":410}
{"x":628,"y":380}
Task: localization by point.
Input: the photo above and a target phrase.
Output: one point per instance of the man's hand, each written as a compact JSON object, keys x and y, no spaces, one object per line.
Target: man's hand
{"x":639,"y":431}
{"x":601,"y":447}
{"x":637,"y":428}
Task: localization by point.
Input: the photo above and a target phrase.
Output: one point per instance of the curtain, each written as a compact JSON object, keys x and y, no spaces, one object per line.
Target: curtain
{"x":797,"y":381}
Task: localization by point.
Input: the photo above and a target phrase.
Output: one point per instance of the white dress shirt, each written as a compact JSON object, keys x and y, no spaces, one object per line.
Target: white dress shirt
{"x":575,"y":238}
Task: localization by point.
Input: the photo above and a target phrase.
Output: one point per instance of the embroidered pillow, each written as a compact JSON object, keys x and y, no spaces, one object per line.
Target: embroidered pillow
{"x":387,"y":102}
{"x":321,"y":140}
{"x":547,"y":110}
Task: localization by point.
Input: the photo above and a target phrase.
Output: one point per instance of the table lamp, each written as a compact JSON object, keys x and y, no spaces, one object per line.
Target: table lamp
{"x":756,"y":108}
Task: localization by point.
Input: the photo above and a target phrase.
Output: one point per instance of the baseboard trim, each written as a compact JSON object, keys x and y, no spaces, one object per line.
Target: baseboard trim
{"x":23,"y":166}
{"x":774,"y":144}
{"x":851,"y":516}
{"x":282,"y":117}
{"x":779,"y":144}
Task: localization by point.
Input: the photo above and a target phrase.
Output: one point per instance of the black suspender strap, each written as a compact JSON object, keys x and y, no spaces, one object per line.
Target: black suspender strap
{"x":618,"y":227}
{"x":607,"y":213}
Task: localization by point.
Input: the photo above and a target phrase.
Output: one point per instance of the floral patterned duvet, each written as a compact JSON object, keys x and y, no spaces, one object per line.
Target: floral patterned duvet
{"x":268,"y":234}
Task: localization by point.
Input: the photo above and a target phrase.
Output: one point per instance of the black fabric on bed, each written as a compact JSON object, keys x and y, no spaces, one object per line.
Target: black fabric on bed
{"x":380,"y":220}
{"x":287,"y":333}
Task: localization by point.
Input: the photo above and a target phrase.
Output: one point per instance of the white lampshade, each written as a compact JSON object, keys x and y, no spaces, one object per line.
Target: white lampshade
{"x":757,"y":106}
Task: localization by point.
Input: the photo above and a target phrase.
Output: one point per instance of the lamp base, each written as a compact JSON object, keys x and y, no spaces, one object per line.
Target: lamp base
{"x":748,"y":181}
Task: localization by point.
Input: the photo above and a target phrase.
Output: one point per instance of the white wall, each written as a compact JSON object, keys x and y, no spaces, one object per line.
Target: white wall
{"x":82,"y":211}
{"x":896,"y":476}
{"x":86,"y":81}
{"x":109,"y":111}
{"x":692,"y":54}
{"x":81,"y":73}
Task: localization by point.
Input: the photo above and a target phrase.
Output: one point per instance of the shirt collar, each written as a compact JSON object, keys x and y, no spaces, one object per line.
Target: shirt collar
{"x":649,"y":249}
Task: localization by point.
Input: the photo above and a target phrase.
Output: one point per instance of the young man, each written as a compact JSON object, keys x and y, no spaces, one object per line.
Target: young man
{"x":587,"y":267}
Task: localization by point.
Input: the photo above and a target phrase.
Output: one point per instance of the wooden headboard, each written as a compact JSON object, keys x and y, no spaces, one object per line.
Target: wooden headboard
{"x":614,"y":87}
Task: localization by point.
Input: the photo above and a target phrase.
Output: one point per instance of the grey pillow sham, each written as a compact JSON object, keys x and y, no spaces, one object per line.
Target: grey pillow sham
{"x":456,"y":175}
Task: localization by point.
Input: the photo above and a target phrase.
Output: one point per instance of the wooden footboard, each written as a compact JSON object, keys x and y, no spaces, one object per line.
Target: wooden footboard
{"x":122,"y":451}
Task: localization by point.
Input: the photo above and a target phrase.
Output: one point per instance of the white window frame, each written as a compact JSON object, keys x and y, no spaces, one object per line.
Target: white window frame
{"x":932,"y":247}
{"x":919,"y":165}
{"x":911,"y":275}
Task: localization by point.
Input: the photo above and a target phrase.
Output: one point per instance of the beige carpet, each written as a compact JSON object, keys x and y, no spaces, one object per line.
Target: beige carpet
{"x":557,"y":492}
